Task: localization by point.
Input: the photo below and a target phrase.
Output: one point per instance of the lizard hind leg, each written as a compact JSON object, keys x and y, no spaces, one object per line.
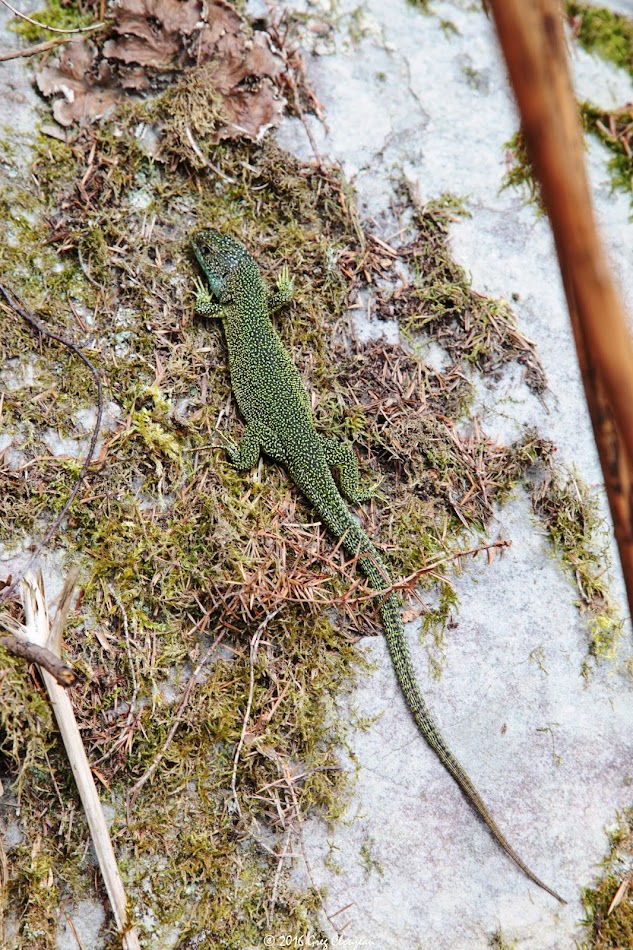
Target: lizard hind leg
{"x":255,"y":440}
{"x":341,"y":456}
{"x":245,"y":455}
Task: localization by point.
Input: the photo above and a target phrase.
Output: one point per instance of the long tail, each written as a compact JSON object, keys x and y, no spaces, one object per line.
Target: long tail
{"x":372,"y":566}
{"x":335,"y":514}
{"x":390,"y":613}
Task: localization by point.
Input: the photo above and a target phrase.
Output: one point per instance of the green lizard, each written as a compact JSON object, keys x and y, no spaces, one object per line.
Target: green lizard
{"x":276,"y":408}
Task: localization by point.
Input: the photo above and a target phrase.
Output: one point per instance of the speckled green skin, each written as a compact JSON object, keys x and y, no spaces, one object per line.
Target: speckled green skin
{"x":276,"y":408}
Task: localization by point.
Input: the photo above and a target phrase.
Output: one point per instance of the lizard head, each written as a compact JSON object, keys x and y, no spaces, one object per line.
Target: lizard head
{"x":223,"y":260}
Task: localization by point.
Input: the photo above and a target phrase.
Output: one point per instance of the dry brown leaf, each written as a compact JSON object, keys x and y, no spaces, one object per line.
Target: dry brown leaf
{"x":150,"y":41}
{"x":145,"y":17}
{"x":152,"y":32}
{"x":81,"y":99}
{"x":242,"y":58}
{"x":221,"y":19}
{"x":251,"y":113}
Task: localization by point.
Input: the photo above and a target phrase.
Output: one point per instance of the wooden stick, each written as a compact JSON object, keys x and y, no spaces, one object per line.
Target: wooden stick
{"x":14,"y":644}
{"x":31,"y":50}
{"x":533,"y":42}
{"x":39,"y":631}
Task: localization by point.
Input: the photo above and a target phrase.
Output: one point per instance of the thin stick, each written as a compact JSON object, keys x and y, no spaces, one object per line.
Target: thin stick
{"x":126,"y":731}
{"x":51,"y":29}
{"x":205,"y":161}
{"x":406,"y":583}
{"x":31,"y":50}
{"x":133,"y":793}
{"x":284,"y":853}
{"x":18,"y":307}
{"x":64,"y":675}
{"x":39,"y":631}
{"x":533,"y":43}
{"x":128,"y":645}
{"x":251,"y":688}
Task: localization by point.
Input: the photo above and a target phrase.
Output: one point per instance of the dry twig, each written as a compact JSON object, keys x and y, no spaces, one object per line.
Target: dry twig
{"x":16,"y":645}
{"x":41,"y":632}
{"x":31,"y":50}
{"x":51,"y":29}
{"x":253,"y":654}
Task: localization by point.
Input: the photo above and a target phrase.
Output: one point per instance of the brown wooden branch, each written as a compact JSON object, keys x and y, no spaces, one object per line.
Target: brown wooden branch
{"x":47,"y":656}
{"x":64,"y":675}
{"x":533,"y":43}
{"x":31,"y":50}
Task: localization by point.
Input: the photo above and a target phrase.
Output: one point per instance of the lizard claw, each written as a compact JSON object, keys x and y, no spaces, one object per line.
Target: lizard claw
{"x":285,"y":283}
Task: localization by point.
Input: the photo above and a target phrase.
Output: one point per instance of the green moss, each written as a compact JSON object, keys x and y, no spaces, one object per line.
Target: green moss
{"x":611,"y":930}
{"x":440,"y":300}
{"x":216,"y":856}
{"x":60,"y":14}
{"x":190,"y":113}
{"x":474,"y":77}
{"x":448,"y":28}
{"x":580,"y":538}
{"x":615,"y":130}
{"x":520,"y":173}
{"x":26,"y":721}
{"x":368,"y":859}
{"x":609,"y":35}
{"x":499,"y":942}
{"x":601,"y":31}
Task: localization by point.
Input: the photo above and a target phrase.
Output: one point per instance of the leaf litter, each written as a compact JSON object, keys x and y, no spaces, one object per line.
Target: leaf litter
{"x":149,"y":42}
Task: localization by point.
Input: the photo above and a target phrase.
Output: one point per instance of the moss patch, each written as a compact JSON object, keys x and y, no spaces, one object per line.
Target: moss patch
{"x":60,"y":14}
{"x":615,"y":130}
{"x":499,"y":942}
{"x":580,"y":538}
{"x":610,"y":36}
{"x":520,"y":173}
{"x":601,"y":31}
{"x":608,"y":907}
{"x":440,"y":299}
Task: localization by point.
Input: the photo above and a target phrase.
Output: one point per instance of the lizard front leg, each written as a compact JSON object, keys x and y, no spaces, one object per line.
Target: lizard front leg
{"x":284,"y":293}
{"x":206,"y":306}
{"x":245,"y":455}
